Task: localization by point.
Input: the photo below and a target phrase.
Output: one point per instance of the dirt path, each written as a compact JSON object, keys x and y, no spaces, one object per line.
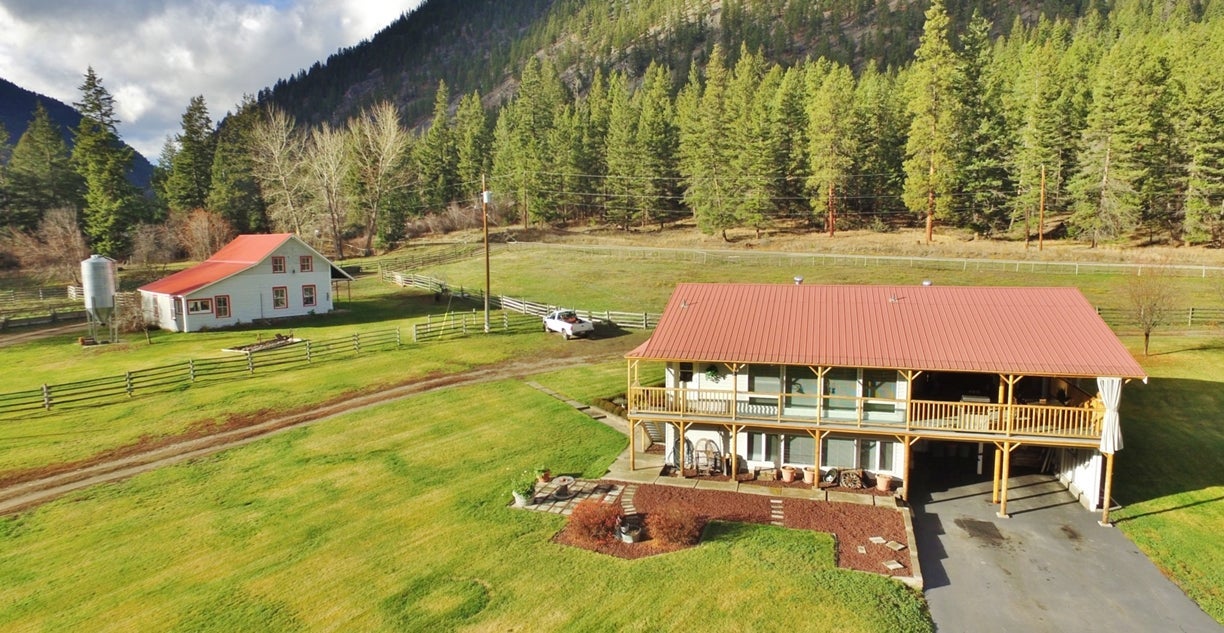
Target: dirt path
{"x":23,"y":495}
{"x":25,"y":336}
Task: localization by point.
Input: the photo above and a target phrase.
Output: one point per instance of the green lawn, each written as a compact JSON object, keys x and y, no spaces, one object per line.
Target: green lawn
{"x":396,"y":518}
{"x":1170,"y":474}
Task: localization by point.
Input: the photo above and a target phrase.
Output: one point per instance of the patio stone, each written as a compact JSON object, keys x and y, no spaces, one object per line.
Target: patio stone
{"x":892,"y":565}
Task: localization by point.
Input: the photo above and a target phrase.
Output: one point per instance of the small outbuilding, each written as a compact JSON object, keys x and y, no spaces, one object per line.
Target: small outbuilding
{"x":254,"y":277}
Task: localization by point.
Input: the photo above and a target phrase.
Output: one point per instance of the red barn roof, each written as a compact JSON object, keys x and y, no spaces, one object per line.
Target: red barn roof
{"x":1028,"y":331}
{"x":245,"y":251}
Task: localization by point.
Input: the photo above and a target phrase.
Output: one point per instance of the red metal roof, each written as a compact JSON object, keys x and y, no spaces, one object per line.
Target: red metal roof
{"x":242,"y":253}
{"x":1029,"y":331}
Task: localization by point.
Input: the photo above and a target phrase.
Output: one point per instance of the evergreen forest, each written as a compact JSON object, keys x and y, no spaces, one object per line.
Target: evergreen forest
{"x":826,"y":114}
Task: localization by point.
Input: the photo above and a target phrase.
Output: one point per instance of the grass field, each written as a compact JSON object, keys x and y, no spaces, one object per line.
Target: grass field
{"x":396,"y":519}
{"x":1169,"y":476}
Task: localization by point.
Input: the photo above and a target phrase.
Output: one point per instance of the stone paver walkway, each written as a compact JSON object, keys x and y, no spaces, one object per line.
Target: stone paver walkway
{"x":546,"y":499}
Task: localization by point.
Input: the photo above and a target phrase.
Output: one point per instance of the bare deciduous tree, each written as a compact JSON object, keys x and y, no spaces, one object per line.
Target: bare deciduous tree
{"x":54,"y":252}
{"x":1150,"y":296}
{"x":379,"y":149}
{"x":201,"y":233}
{"x":326,"y":164}
{"x":153,"y":246}
{"x":277,"y":158}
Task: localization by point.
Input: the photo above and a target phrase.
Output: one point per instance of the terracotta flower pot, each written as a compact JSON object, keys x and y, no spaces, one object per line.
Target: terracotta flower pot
{"x":788,"y":474}
{"x":809,"y":475}
{"x":883,"y":483}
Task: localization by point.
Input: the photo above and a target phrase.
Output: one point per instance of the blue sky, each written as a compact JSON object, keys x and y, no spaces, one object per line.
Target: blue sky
{"x":154,"y":55}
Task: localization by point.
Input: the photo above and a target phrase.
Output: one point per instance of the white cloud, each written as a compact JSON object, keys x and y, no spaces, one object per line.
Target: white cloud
{"x":155,"y":55}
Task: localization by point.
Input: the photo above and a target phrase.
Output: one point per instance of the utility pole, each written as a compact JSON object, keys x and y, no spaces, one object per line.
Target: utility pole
{"x":1041,"y":213}
{"x":484,"y":212}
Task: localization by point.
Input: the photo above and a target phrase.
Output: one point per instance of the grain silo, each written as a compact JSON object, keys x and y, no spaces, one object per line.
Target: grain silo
{"x":98,"y":278}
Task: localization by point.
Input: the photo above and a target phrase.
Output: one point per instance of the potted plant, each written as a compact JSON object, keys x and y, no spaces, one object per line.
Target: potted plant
{"x":809,"y":475}
{"x":543,"y":474}
{"x":788,"y":474}
{"x":522,"y":488}
{"x":629,"y":532}
{"x":883,"y":482}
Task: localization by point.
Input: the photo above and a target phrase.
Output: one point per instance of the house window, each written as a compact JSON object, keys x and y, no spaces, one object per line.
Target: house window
{"x":843,"y":452}
{"x":880,"y":384}
{"x":686,"y":372}
{"x":223,"y":307}
{"x":280,"y":297}
{"x":765,"y":380}
{"x":308,"y":295}
{"x":278,"y":264}
{"x":801,"y":381}
{"x":800,"y":449}
{"x":763,"y":447}
{"x":199,"y":306}
{"x":841,"y":385}
{"x":306,"y":263}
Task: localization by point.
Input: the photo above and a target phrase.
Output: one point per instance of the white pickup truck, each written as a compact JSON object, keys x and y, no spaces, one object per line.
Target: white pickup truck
{"x":568,"y":324}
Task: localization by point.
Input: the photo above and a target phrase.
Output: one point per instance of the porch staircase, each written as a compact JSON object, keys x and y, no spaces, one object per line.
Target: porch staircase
{"x":654,"y":430}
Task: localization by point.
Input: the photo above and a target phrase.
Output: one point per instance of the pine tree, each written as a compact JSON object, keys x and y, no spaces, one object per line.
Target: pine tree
{"x":930,"y":163}
{"x":40,"y":176}
{"x":657,"y":139}
{"x":111,"y":203}
{"x":832,"y":121}
{"x":472,"y":146}
{"x":1203,"y":129}
{"x":983,"y":136}
{"x":624,"y":154}
{"x":753,"y":173}
{"x":705,"y":147}
{"x":1103,"y":189}
{"x":435,"y":156}
{"x":234,"y":192}
{"x":880,"y":155}
{"x":190,"y":177}
{"x":789,"y":127}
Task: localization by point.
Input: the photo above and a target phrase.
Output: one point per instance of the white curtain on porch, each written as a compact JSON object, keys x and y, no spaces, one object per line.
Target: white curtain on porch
{"x":1111,"y":431}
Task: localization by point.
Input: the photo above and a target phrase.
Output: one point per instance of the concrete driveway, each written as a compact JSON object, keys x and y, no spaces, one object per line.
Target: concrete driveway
{"x":1050,"y":567}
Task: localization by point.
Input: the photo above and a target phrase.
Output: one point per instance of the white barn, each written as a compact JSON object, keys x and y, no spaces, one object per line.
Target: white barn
{"x":252,"y":278}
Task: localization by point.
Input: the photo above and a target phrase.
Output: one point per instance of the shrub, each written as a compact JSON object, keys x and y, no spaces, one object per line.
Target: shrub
{"x":674,"y":526}
{"x":595,"y":521}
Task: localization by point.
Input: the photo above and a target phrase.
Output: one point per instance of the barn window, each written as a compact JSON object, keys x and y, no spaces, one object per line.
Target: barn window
{"x":280,"y":297}
{"x":306,"y":264}
{"x":308,"y":295}
{"x":223,"y":307}
{"x":278,"y":264}
{"x":199,"y":306}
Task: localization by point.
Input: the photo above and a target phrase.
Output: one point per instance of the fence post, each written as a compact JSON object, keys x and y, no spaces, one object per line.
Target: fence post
{"x":398,"y":342}
{"x":308,"y":360}
{"x":415,"y":339}
{"x":357,"y":343}
{"x":1190,"y":321}
{"x":645,"y":321}
{"x":505,"y":320}
{"x":127,"y":383}
{"x":250,"y":362}
{"x":46,"y":396}
{"x":191,"y":369}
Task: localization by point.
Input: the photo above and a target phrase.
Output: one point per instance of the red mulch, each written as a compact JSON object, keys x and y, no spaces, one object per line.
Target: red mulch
{"x":851,"y":524}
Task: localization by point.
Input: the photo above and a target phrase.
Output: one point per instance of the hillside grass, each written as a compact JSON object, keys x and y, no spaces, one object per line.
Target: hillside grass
{"x":396,"y":518}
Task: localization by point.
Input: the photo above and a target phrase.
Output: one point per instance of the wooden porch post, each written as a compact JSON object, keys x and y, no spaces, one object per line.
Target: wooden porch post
{"x":998,"y":464}
{"x":1007,"y":449}
{"x":909,"y":442}
{"x":1109,"y":459}
{"x":680,"y":461}
{"x":632,"y":445}
{"x":735,"y":452}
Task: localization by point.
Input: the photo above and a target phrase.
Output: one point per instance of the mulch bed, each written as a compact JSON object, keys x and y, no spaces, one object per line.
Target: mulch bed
{"x":851,"y":524}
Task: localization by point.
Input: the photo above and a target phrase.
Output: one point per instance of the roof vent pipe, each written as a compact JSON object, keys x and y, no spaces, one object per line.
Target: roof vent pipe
{"x":926,"y":282}
{"x":798,"y":280}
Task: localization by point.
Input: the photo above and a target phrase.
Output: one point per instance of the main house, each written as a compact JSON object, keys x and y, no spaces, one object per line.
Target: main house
{"x":253,"y":277}
{"x":864,"y":377}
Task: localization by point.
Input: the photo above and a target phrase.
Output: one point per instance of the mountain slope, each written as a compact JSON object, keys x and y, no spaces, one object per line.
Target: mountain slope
{"x":17,"y":108}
